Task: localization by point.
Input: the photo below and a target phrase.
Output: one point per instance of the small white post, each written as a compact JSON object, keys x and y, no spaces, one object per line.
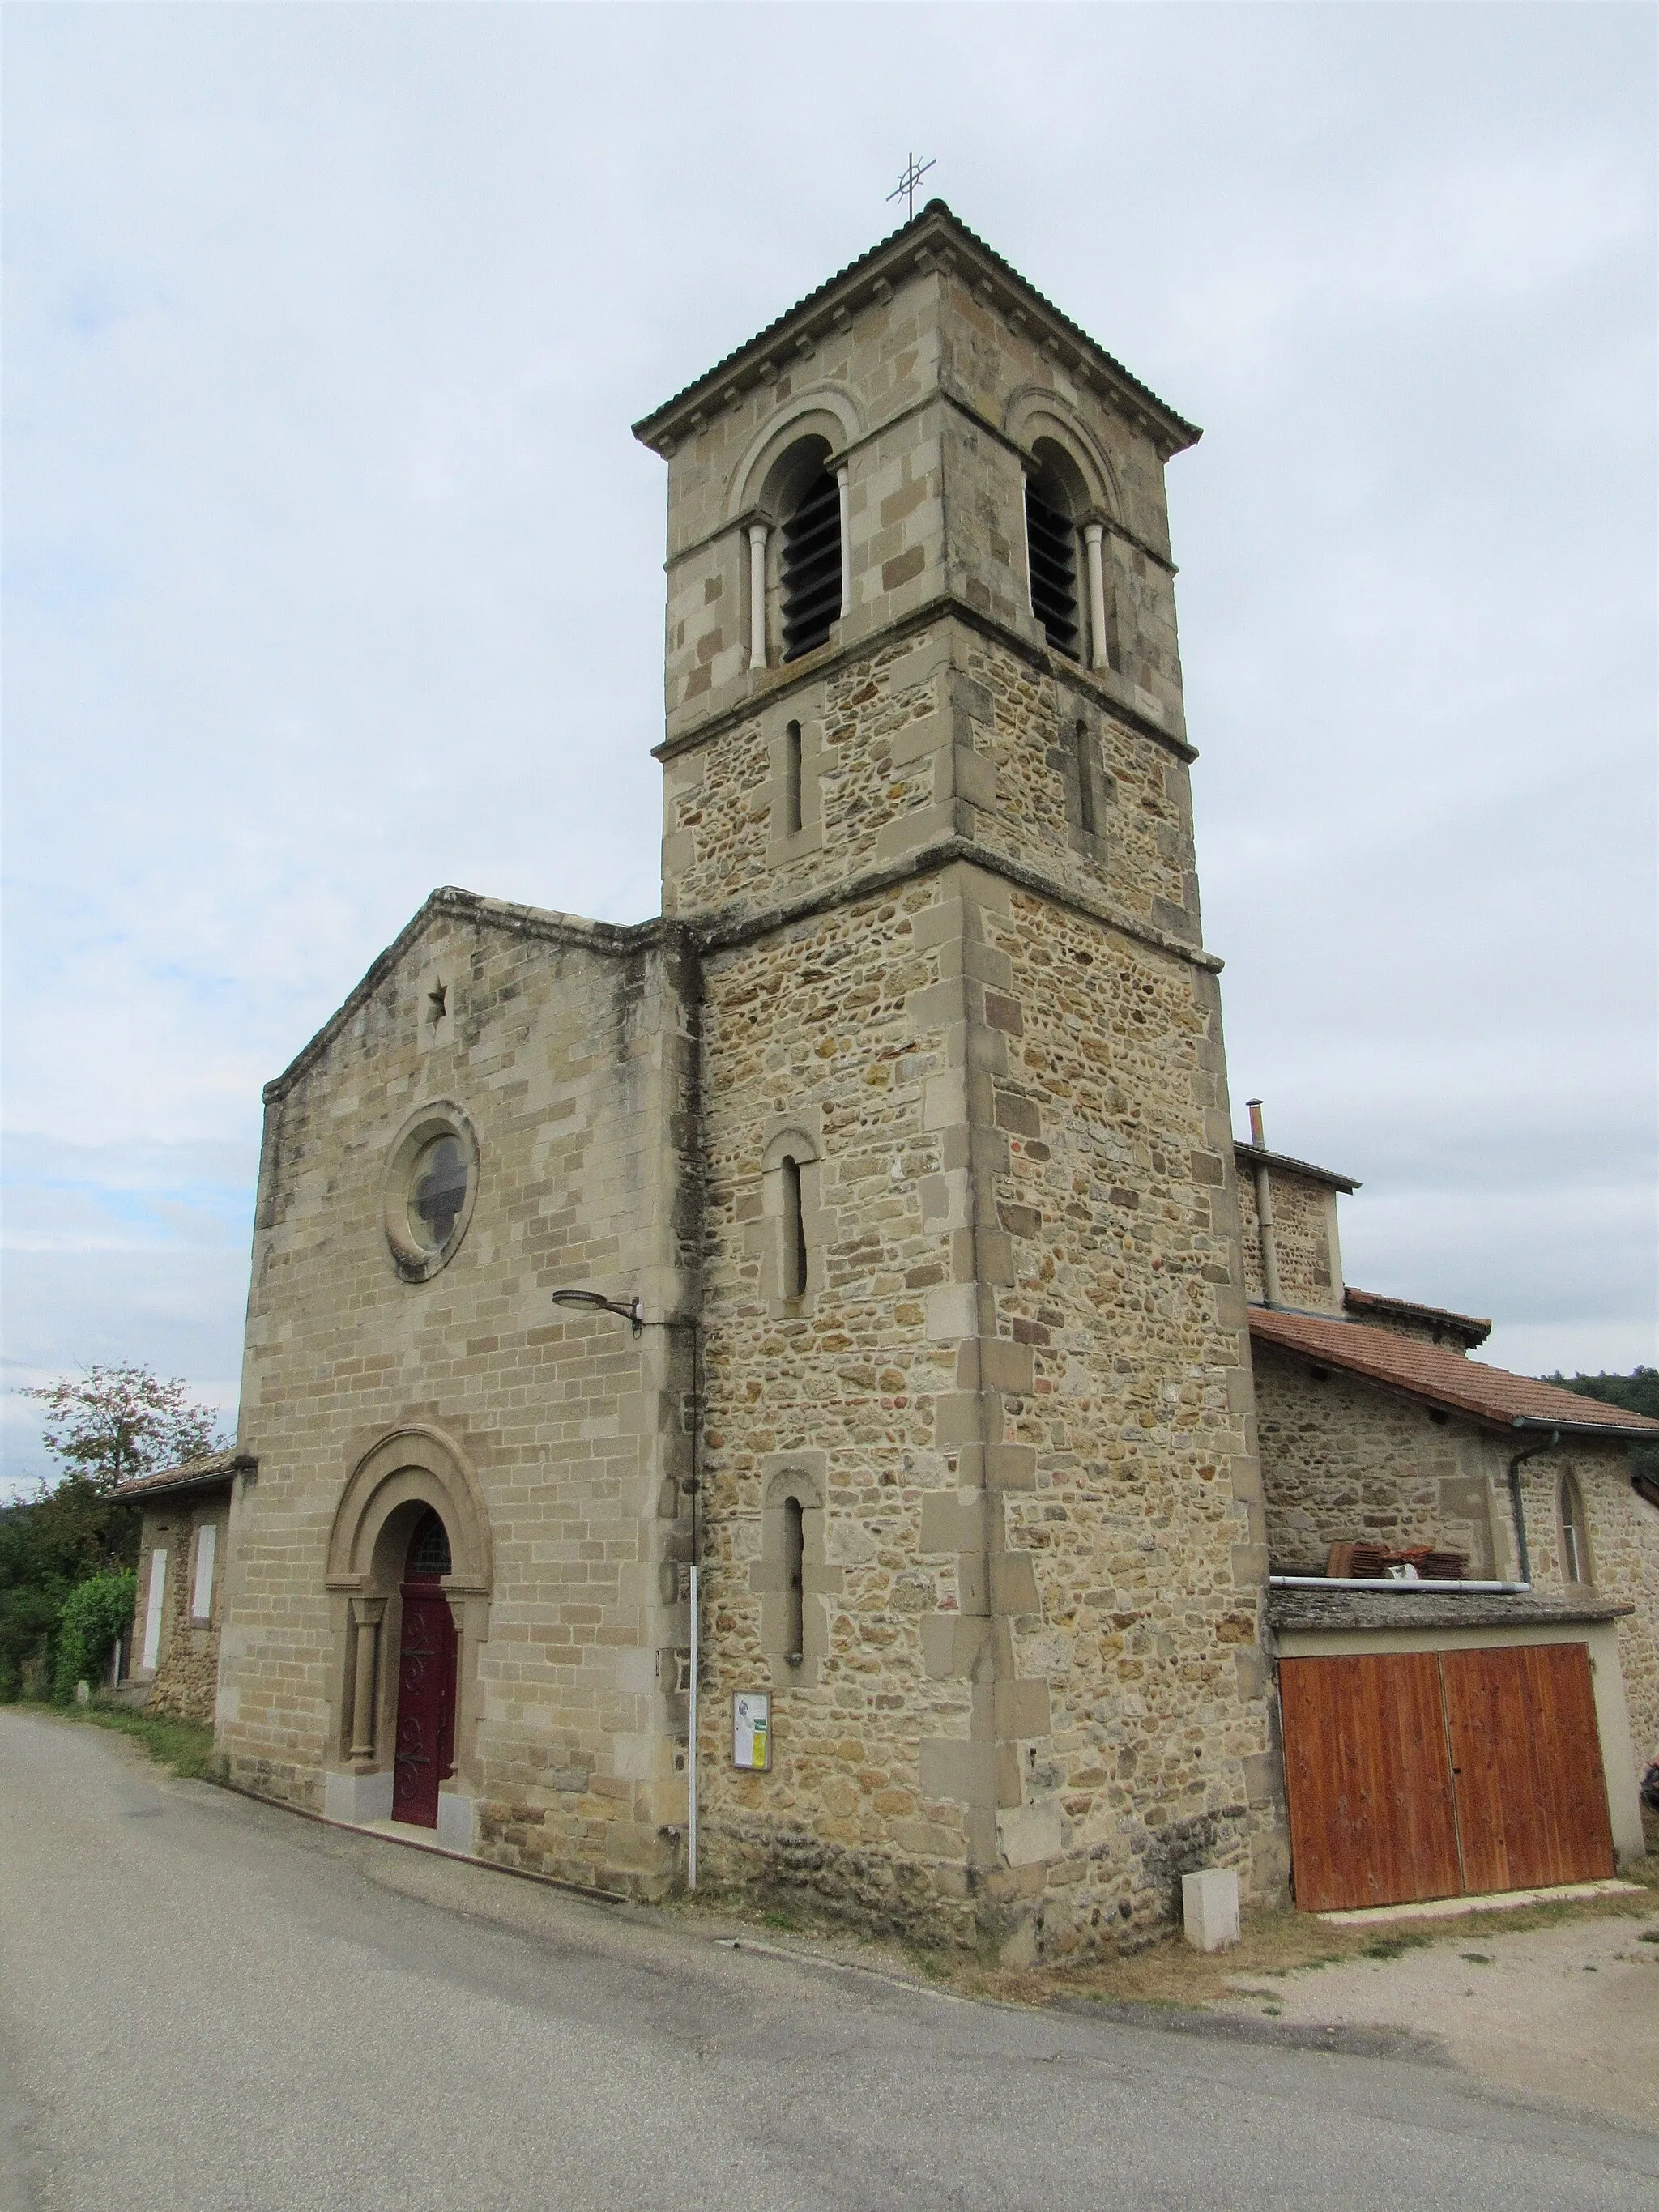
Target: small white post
{"x":844,"y":495}
{"x":691,"y":1749}
{"x":1092,"y":534}
{"x":1209,"y":1908}
{"x":757,"y":595}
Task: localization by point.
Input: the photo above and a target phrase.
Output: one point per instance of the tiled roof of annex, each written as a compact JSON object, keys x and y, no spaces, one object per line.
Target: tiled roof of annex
{"x":189,"y":1474}
{"x":1445,"y":1378}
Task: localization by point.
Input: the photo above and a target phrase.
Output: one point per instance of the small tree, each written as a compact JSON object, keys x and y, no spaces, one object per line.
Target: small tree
{"x":111,"y":1423}
{"x":103,"y":1427}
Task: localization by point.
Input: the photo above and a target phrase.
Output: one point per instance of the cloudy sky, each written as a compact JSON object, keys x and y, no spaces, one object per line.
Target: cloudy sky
{"x":332,"y":573}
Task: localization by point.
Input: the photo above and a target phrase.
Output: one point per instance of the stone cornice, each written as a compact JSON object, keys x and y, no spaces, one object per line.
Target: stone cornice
{"x":720,"y":931}
{"x":829,"y":660}
{"x":933,"y":241}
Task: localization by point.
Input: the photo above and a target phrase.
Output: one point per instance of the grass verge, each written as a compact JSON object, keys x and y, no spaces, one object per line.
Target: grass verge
{"x":184,"y":1746}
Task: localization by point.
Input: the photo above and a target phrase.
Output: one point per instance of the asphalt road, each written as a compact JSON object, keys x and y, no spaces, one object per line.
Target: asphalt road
{"x":207,"y":2005}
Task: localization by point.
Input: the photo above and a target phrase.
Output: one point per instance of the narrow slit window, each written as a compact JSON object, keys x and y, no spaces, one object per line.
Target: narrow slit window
{"x":795,"y":1555}
{"x":811,"y":567}
{"x":1575,"y":1550}
{"x":1085,"y":781}
{"x":792,"y":769}
{"x":1051,"y":547}
{"x":794,"y":1233}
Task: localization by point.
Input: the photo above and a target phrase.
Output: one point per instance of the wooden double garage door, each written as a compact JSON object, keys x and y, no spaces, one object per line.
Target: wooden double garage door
{"x":1420,"y":1774}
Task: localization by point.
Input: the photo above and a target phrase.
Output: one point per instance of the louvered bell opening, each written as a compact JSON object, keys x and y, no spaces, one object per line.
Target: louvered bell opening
{"x":811,"y":569}
{"x":1052,"y":546}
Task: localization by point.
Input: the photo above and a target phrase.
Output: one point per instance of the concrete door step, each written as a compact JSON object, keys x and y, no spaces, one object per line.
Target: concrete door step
{"x":1504,"y":1900}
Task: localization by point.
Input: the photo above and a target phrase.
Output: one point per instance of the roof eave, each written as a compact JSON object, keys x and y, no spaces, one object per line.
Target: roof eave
{"x":997,"y":280}
{"x":1421,"y":1393}
{"x":1620,"y":1435}
{"x":1259,"y":1156}
{"x":141,"y":1487}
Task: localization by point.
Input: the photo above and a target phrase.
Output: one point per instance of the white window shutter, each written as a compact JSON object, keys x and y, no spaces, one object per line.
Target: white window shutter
{"x":158,"y":1585}
{"x":201,"y":1602}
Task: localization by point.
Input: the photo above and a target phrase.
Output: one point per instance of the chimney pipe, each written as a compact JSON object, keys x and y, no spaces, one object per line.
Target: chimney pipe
{"x":1264,"y":1211}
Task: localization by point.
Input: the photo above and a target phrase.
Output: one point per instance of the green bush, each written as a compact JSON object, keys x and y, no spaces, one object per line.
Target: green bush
{"x":91,"y":1617}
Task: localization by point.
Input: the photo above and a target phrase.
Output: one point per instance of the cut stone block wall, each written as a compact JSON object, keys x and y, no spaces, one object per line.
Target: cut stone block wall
{"x":928,"y":398}
{"x":569,"y":1049}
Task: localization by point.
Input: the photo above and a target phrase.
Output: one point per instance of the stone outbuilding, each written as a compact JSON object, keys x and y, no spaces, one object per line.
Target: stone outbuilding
{"x":173,"y":1663}
{"x":769,"y":1394}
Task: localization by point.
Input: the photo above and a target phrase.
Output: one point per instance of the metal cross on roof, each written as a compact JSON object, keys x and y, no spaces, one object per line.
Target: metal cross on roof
{"x":909,"y":178}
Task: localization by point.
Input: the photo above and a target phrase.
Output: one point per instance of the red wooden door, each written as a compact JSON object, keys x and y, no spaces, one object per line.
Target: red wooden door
{"x":426,"y":1705}
{"x":1526,"y":1755}
{"x":1372,"y":1817}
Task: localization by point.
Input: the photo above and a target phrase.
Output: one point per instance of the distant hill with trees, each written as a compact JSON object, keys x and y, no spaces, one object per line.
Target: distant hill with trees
{"x":1637,"y":1393}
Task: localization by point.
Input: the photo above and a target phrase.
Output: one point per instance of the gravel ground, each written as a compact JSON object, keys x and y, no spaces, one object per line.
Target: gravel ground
{"x":1569,"y":2014}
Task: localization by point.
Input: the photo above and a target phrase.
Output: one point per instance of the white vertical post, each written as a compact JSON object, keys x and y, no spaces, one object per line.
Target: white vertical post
{"x":845,"y":498}
{"x":691,"y":1747}
{"x":757,"y":595}
{"x":1092,"y":534}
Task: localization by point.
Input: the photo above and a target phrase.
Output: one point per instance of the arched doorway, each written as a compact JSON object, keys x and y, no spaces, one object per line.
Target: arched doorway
{"x":425,"y":1752}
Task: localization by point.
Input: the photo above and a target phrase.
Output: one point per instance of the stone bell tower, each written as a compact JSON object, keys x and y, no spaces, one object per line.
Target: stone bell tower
{"x":982,"y":1514}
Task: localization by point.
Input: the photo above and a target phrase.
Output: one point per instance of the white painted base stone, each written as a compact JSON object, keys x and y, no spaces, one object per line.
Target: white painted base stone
{"x":357,"y":1798}
{"x":458,"y":1823}
{"x":1209,"y":1908}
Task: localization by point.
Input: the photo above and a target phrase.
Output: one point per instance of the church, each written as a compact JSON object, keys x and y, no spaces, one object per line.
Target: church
{"x":809,"y":1395}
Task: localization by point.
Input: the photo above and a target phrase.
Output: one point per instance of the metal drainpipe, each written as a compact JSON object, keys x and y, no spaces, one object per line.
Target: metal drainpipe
{"x":1531,"y":1451}
{"x":1264,"y":1212}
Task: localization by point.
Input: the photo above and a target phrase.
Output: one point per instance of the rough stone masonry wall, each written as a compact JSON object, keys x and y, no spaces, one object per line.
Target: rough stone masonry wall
{"x":1308,"y":1279}
{"x":816,"y":1027}
{"x":1023,"y":729}
{"x":1341,"y":1459}
{"x":1140,"y":1513}
{"x":877,"y":730}
{"x":1624,"y":1549}
{"x":187,"y":1666}
{"x":571,"y":1062}
{"x":941,"y":734}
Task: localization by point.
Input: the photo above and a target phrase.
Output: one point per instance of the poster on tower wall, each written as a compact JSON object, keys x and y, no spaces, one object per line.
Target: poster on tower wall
{"x":752,"y":1730}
